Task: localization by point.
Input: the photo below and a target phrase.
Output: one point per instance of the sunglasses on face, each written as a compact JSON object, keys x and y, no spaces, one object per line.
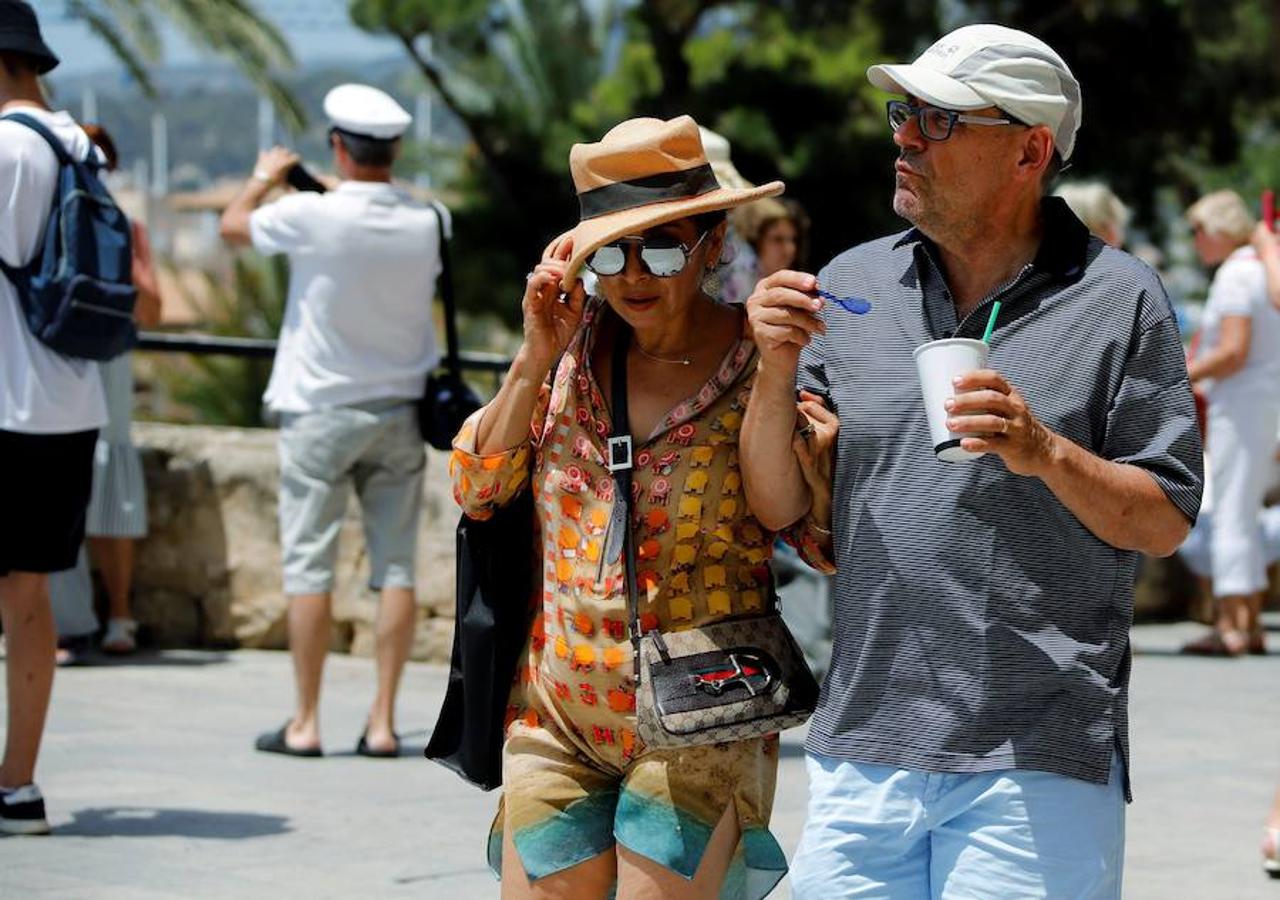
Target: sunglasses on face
{"x":936,"y":124}
{"x":661,"y":255}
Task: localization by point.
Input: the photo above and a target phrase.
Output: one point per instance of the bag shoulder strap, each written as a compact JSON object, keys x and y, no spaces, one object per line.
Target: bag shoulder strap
{"x":621,"y":433}
{"x":451,"y":356}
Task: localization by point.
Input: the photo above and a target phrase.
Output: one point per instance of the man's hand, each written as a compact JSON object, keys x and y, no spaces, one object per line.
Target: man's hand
{"x":274,"y":164}
{"x":987,"y":405}
{"x":271,"y":168}
{"x":782,"y":318}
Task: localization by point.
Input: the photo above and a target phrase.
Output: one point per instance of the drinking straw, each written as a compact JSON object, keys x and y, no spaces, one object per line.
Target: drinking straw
{"x":991,"y":322}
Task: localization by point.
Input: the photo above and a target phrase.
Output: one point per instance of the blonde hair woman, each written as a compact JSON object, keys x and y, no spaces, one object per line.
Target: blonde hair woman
{"x":1238,"y":367}
{"x":1098,"y":208}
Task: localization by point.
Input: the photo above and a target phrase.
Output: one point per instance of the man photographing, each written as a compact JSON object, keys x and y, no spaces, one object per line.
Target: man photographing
{"x":355,"y":348}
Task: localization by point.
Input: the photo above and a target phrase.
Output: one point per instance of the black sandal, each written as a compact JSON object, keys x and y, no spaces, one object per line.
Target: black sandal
{"x":363,"y":748}
{"x":277,"y":742}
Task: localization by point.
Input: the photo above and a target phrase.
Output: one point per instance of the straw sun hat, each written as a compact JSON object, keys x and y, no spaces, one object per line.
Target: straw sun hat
{"x":643,"y":173}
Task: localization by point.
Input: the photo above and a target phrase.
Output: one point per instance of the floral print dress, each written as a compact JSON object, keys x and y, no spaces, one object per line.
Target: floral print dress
{"x":577,"y":779}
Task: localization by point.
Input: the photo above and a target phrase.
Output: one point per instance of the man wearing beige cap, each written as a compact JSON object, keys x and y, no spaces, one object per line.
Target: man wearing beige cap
{"x":972,"y":736}
{"x":355,"y":348}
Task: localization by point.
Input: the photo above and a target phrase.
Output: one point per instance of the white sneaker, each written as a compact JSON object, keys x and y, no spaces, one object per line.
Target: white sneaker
{"x":121,"y":636}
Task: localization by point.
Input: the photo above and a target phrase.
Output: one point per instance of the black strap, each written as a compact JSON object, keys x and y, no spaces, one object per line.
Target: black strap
{"x":622,"y":479}
{"x":59,"y":149}
{"x":452,"y":361}
{"x":622,"y":488}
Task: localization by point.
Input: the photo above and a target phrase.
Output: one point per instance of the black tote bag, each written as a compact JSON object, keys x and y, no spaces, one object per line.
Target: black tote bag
{"x":495,"y":579}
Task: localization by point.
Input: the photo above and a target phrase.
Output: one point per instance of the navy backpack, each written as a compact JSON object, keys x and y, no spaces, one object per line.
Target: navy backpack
{"x":77,"y":292}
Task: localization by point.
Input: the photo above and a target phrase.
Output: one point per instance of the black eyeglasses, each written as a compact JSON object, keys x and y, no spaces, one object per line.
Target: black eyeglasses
{"x":661,"y":255}
{"x":936,"y":124}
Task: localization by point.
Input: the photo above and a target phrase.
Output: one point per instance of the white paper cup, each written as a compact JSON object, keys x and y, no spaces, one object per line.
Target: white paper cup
{"x":938,"y":362}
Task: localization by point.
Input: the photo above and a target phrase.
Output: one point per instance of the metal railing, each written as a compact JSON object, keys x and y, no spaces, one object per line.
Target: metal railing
{"x":264,"y":348}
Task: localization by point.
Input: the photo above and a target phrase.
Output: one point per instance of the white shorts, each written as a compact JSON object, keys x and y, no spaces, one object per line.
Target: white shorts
{"x":375,"y":448}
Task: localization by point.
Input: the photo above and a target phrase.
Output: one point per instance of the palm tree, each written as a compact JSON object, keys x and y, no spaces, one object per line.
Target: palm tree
{"x":232,"y":28}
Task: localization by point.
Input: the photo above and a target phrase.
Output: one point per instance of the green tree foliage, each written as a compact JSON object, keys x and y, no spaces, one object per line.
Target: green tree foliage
{"x":230,"y":28}
{"x":1181,"y":95}
{"x":1178,"y":93}
{"x":227,"y":390}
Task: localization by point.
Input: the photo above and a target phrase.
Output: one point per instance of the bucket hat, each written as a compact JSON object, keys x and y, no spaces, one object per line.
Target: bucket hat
{"x":644,"y":172}
{"x":20,"y":33}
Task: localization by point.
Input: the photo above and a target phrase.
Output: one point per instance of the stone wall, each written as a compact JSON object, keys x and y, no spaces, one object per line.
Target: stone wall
{"x":209,"y":572}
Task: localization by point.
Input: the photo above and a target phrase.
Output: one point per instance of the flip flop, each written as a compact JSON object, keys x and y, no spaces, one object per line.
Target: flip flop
{"x":1257,"y":642}
{"x":276,"y":742}
{"x":1231,"y":643}
{"x":363,"y":748}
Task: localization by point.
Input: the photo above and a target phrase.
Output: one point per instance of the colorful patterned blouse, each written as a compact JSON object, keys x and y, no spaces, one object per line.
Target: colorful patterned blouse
{"x":701,"y":557}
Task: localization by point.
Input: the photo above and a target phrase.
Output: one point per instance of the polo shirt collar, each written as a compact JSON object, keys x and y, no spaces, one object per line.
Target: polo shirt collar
{"x":1063,"y":248}
{"x":365,"y":187}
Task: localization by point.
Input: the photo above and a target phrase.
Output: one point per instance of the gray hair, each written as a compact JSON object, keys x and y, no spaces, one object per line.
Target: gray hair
{"x":1096,"y":205}
{"x":1223,"y":213}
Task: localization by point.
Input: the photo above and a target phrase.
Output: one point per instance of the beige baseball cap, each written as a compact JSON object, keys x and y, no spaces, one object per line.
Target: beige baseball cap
{"x":990,"y":65}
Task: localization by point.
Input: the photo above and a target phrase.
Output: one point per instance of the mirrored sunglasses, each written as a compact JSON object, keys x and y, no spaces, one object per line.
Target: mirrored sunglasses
{"x":660,"y":255}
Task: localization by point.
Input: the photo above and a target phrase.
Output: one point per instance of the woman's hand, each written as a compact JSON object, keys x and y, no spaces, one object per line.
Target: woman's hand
{"x":1265,"y":241}
{"x":814,"y":446}
{"x":550,"y":315}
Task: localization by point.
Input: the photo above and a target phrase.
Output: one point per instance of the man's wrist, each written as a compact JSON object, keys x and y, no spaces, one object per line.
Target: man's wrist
{"x":1052,"y":455}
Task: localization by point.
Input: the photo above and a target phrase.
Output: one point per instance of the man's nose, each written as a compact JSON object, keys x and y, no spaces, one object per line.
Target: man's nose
{"x":908,"y":135}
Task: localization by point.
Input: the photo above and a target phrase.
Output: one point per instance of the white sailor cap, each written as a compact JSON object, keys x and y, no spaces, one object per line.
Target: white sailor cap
{"x":367,"y":111}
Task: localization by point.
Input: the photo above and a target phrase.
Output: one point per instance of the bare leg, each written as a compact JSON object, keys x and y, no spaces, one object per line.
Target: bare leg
{"x":590,"y":879}
{"x":114,"y":559}
{"x":640,"y":878}
{"x":397,"y":617}
{"x":30,"y":642}
{"x":309,"y":625}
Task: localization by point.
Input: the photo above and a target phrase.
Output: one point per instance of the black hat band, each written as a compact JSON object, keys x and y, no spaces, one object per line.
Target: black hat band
{"x":651,"y":189}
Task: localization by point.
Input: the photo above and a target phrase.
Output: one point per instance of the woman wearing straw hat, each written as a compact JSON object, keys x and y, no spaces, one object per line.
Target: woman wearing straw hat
{"x":587,"y":808}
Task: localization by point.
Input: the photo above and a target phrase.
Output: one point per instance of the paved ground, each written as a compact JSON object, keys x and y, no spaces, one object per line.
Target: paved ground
{"x":154,"y":791}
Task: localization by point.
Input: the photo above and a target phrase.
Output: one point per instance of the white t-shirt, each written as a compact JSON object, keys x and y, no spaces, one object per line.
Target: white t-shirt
{"x":364,"y":261}
{"x":41,"y":392}
{"x":1240,"y":289}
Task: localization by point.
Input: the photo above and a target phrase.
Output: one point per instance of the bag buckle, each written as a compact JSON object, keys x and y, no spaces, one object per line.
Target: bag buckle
{"x":745,"y":669}
{"x":619,"y":453}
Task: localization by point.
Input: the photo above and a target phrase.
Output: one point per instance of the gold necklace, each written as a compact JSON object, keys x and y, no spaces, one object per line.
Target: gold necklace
{"x":683,"y":361}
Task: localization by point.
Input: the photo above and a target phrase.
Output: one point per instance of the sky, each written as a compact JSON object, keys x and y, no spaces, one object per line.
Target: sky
{"x":317,"y":30}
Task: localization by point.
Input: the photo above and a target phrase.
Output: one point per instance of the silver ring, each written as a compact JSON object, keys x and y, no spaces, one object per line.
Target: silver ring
{"x":528,"y":278}
{"x":807,"y":430}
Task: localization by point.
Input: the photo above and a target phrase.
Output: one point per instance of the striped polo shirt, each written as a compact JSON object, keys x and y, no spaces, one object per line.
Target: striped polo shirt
{"x":978,"y":624}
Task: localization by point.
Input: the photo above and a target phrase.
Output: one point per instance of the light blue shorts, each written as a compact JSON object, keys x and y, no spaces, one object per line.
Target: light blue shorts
{"x":876,"y":831}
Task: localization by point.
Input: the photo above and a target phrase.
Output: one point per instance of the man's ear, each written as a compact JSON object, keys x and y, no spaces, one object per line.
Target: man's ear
{"x":1037,"y":150}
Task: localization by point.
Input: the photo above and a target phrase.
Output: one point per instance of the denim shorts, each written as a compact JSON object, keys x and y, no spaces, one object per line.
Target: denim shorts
{"x":374,"y":448}
{"x":879,"y":832}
